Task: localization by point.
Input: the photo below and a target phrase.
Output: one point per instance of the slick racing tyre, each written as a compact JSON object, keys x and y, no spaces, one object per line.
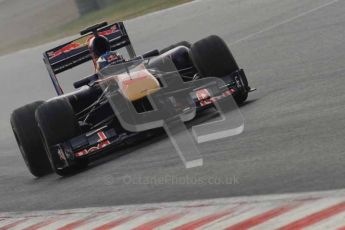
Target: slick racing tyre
{"x":28,"y":138}
{"x":212,"y":57}
{"x":183,"y":43}
{"x":58,"y":124}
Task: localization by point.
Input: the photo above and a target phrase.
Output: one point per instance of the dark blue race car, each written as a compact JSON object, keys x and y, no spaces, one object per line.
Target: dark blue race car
{"x":65,"y":132}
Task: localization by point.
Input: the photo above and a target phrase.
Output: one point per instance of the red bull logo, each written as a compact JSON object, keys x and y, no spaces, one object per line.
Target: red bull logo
{"x":65,"y":49}
{"x":80,"y":43}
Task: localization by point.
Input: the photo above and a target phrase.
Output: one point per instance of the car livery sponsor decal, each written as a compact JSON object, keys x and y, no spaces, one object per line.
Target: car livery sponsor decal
{"x":205,"y":98}
{"x":113,"y":57}
{"x":203,"y":94}
{"x":102,"y":143}
{"x":81,"y":42}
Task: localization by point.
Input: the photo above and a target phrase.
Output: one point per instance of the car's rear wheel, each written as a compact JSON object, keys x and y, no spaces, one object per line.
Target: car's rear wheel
{"x":213,"y":58}
{"x":182,"y":43}
{"x":58,"y":124}
{"x":28,"y":138}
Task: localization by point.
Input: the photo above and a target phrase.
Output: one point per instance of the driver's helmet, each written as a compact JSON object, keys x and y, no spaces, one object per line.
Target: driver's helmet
{"x":99,"y":46}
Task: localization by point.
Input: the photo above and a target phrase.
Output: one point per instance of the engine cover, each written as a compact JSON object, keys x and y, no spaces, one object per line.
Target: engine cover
{"x":138,"y":84}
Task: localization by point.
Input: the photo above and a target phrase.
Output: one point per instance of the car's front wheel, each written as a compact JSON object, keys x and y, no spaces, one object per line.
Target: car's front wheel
{"x":213,"y":58}
{"x":28,"y":138}
{"x":58,"y":124}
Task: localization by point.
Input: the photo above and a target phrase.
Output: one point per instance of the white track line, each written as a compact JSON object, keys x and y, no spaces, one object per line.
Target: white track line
{"x":304,"y":210}
{"x":253,"y":211}
{"x":201,"y":214}
{"x":332,"y":223}
{"x":284,"y":22}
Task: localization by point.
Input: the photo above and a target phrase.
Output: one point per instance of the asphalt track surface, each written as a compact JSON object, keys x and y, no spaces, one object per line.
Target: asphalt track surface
{"x":293,"y":52}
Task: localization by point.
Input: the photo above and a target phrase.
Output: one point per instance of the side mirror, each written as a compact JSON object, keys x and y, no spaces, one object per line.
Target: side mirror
{"x":85,"y":81}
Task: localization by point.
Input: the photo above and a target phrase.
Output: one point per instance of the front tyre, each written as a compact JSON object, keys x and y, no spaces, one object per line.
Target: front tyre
{"x":57,"y":122}
{"x":27,"y":134}
{"x":212,"y":58}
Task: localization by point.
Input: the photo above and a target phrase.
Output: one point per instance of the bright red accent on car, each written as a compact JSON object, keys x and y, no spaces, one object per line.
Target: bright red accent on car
{"x":103,"y":142}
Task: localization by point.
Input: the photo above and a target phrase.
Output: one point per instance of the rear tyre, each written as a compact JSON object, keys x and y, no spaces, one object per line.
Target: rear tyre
{"x":28,"y":138}
{"x":183,"y":43}
{"x":213,"y":58}
{"x":58,"y":124}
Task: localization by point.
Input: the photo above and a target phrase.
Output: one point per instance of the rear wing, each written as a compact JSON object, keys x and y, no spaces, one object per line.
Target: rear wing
{"x":76,"y":52}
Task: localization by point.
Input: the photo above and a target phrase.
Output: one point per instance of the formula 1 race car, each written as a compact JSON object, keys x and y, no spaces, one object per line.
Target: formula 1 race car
{"x":65,"y":132}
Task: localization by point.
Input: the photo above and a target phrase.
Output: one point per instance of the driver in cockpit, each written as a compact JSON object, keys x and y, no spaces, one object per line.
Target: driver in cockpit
{"x":101,"y":53}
